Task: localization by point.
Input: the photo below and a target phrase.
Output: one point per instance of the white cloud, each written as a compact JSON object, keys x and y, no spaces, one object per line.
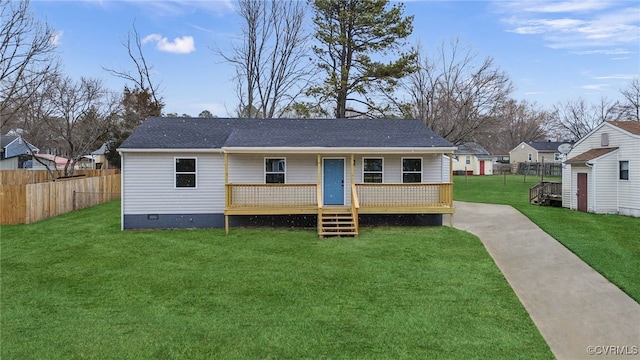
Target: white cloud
{"x":617,"y":76}
{"x":179,"y":45}
{"x":56,"y":38}
{"x":586,"y":27}
{"x":567,"y":6}
{"x":594,"y":86}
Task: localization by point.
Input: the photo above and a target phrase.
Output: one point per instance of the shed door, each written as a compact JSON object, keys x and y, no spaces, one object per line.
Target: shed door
{"x":481,"y":167}
{"x":582,"y":192}
{"x":333,"y":182}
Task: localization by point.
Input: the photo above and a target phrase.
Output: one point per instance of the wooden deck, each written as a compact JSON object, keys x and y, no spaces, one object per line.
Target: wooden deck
{"x":296,"y":199}
{"x":547,"y":193}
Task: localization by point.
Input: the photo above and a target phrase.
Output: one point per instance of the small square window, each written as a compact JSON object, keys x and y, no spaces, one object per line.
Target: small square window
{"x":624,"y":170}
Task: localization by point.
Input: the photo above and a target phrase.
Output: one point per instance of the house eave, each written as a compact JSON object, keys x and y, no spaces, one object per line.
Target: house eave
{"x":168,"y":150}
{"x":339,"y":150}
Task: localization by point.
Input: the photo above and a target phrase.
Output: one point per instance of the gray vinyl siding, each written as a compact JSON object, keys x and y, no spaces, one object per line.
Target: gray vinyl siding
{"x":613,"y":195}
{"x":9,"y":164}
{"x":148,"y":181}
{"x":521,"y":153}
{"x":250,"y":168}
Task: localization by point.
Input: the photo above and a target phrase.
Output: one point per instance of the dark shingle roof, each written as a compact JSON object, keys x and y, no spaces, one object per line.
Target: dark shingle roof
{"x":207,"y":133}
{"x":6,"y":140}
{"x":551,"y":146}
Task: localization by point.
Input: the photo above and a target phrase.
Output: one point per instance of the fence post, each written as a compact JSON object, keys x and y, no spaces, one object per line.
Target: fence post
{"x":74,"y":200}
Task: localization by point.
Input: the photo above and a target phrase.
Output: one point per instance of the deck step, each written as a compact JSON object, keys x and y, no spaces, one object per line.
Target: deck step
{"x":337,"y":222}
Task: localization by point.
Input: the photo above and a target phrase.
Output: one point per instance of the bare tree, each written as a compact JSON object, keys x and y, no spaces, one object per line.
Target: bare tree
{"x":573,"y":119}
{"x":141,"y":98}
{"x":141,"y":79}
{"x":455,"y":93}
{"x":270,"y":61}
{"x":27,"y":57}
{"x":630,"y":108}
{"x":519,"y":121}
{"x":79,"y":116}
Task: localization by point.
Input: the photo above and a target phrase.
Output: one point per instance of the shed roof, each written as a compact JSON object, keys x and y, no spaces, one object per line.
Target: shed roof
{"x":218,"y":133}
{"x":630,"y":126}
{"x":590,"y":155}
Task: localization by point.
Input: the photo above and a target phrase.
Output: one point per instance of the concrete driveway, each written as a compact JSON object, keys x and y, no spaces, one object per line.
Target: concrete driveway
{"x":579,"y":313}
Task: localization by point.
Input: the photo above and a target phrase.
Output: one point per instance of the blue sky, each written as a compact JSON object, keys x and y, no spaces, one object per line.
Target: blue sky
{"x":552,"y":50}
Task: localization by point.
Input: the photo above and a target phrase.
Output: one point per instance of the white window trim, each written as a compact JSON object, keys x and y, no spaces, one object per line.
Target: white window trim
{"x":264,"y":162}
{"x":175,"y":173}
{"x":628,"y":170}
{"x":402,"y":172}
{"x":374,"y":158}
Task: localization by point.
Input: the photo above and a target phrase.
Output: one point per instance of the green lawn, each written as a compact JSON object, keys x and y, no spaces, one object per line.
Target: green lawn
{"x":77,"y":287}
{"x":608,"y":243}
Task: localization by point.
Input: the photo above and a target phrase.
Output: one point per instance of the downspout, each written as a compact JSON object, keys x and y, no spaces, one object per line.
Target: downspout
{"x":122,"y":197}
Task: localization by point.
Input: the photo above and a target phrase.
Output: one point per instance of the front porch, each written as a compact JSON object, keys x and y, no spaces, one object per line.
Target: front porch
{"x":366,"y":198}
{"x":337,"y":200}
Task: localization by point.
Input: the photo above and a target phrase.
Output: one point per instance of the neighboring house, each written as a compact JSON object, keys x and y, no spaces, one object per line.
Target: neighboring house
{"x":98,"y":157}
{"x":53,"y":162}
{"x":198,"y":173}
{"x":15,"y":152}
{"x":472,"y":159}
{"x":602,"y":170}
{"x":536,"y":152}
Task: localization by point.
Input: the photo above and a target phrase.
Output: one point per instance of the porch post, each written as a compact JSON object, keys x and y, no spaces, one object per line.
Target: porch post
{"x":226,"y":192}
{"x":319,"y":170}
{"x":353,"y":163}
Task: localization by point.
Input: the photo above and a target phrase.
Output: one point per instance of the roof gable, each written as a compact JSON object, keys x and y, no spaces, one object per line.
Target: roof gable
{"x":590,"y":155}
{"x":629,"y":126}
{"x":15,"y":145}
{"x":471,"y":148}
{"x":218,"y":133}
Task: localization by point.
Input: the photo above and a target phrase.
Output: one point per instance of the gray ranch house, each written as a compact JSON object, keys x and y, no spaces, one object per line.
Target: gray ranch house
{"x":333,"y":174}
{"x":15,"y":152}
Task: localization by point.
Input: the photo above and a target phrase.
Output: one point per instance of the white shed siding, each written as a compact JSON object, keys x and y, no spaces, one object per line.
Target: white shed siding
{"x":149,"y":185}
{"x":604,"y":180}
{"x":575,"y":169}
{"x":614,"y":195}
{"x":566,"y":186}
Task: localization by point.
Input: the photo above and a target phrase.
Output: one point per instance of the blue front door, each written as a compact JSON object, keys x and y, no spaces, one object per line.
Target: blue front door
{"x":333,"y":188}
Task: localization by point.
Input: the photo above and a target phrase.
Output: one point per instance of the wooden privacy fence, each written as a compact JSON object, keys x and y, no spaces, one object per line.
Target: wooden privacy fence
{"x":25,"y":204}
{"x":23,"y":177}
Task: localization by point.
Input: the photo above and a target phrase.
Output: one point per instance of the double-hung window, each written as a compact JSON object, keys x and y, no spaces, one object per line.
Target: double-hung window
{"x":185,"y":172}
{"x":372,"y":170}
{"x":274,"y":171}
{"x":412,"y":170}
{"x":624,"y":170}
